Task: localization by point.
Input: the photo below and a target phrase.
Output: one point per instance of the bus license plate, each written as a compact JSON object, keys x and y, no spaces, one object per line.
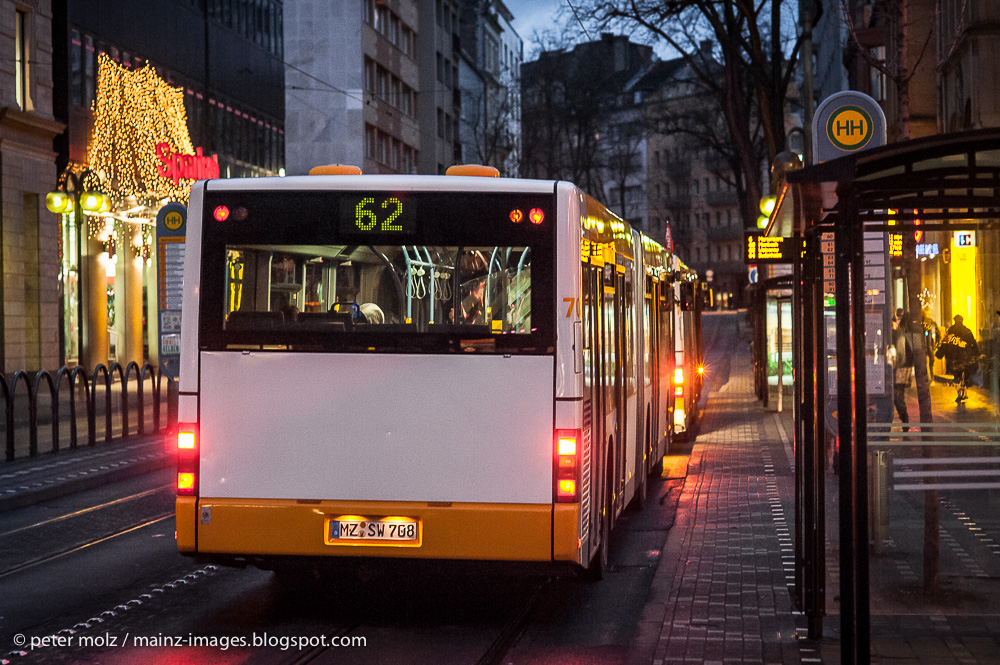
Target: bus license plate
{"x":372,"y":530}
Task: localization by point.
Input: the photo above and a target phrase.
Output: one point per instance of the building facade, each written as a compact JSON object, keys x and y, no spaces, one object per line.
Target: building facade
{"x":582,"y":121}
{"x":490,"y":58}
{"x":351,"y":85}
{"x":690,"y":185}
{"x":439,"y":104}
{"x":153,"y":98}
{"x":29,"y":233}
{"x":968,"y":53}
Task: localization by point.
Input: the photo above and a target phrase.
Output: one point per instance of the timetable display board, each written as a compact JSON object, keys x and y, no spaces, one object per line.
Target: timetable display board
{"x":758,"y":249}
{"x":171,"y":227}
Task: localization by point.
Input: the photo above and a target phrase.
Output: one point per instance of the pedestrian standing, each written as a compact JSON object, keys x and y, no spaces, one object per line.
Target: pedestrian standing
{"x":902,"y":367}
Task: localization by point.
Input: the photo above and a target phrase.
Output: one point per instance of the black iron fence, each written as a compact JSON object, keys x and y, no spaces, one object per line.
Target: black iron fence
{"x":112,"y":402}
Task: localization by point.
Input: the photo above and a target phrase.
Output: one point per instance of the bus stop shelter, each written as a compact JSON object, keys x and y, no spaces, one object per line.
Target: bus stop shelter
{"x":897,"y":529}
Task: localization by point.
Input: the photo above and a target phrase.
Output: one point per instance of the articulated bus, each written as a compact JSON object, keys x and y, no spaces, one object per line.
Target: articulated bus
{"x":419,"y":367}
{"x":688,"y":367}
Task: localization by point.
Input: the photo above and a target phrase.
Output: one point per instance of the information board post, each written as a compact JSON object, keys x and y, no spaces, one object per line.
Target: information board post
{"x":171,"y":229}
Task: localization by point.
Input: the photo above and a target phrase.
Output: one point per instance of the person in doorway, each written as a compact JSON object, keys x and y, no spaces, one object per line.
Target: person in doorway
{"x":902,"y":362}
{"x":961,"y":354}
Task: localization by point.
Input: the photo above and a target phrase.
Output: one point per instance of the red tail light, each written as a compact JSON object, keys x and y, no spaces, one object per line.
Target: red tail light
{"x":187,"y":460}
{"x":566,"y":465}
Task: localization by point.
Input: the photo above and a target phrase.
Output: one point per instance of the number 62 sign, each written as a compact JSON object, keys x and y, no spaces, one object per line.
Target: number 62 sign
{"x":377,"y":213}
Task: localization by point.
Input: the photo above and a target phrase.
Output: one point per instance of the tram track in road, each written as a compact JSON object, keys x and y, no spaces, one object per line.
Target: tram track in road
{"x":50,"y":556}
{"x":35,"y":536}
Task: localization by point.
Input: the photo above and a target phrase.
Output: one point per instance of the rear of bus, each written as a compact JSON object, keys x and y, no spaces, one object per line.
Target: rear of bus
{"x":368,"y":370}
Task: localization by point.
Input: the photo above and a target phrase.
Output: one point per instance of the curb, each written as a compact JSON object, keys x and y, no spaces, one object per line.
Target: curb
{"x":147,"y":463}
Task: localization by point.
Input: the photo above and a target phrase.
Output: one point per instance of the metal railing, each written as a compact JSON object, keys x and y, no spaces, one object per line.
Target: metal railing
{"x":70,"y":387}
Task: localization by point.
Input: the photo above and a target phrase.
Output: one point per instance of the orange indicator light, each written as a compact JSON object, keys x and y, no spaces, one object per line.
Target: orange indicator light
{"x":185,"y":481}
{"x":221,"y":214}
{"x":516,"y":216}
{"x":536,"y":216}
{"x":679,"y":390}
{"x":567,"y":488}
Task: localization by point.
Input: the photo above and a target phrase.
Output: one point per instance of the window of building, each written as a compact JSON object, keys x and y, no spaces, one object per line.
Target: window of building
{"x":440,"y":123}
{"x":369,"y":75}
{"x":406,"y":101}
{"x":381,"y":19}
{"x":369,"y":142}
{"x":394,"y":92}
{"x":406,"y":42}
{"x":382,"y":83}
{"x":383,"y":148}
{"x":491,"y":50}
{"x":21,"y":61}
{"x":393,"y":34}
{"x":877,"y":76}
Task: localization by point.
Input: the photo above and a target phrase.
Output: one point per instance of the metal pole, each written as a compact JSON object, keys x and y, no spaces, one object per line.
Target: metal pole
{"x":860,"y":457}
{"x":850,"y":377}
{"x":781,"y":359}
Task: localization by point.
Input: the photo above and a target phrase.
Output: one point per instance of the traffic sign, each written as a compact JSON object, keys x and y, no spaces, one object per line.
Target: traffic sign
{"x":845,"y":123}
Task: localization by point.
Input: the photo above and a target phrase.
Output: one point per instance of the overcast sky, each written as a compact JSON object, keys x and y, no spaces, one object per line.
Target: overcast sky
{"x":531,"y":16}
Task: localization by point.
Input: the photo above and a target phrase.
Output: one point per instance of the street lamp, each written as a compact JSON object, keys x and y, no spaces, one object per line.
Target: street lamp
{"x":75,"y":194}
{"x":72,"y":189}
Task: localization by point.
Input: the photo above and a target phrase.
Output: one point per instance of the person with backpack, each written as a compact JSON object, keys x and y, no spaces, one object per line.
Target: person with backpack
{"x":961,"y":355}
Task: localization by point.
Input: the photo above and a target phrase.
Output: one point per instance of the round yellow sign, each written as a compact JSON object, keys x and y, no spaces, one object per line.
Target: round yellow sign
{"x":850,"y":128}
{"x":173,"y":220}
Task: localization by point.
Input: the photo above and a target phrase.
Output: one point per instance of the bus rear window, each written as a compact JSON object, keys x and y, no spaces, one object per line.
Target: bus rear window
{"x":338,"y":289}
{"x":453,"y":272}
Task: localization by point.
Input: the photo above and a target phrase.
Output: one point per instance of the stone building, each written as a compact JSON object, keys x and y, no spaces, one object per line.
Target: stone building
{"x":30,"y":289}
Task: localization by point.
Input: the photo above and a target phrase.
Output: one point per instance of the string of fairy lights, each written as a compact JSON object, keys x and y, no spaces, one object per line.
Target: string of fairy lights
{"x":134,"y":110}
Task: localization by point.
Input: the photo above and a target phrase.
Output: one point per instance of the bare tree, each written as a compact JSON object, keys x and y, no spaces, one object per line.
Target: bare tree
{"x":622,"y":153}
{"x":490,"y":119}
{"x":751,"y":52}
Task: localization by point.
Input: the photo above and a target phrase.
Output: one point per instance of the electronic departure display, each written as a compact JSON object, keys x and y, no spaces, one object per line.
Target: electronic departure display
{"x":767,"y":249}
{"x":377,"y":214}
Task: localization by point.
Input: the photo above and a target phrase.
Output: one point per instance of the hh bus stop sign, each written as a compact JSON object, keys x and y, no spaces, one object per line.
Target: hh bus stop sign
{"x":171,"y":228}
{"x":847,"y":122}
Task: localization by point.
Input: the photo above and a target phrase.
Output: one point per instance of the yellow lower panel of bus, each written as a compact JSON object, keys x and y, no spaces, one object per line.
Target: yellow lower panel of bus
{"x":504,"y":532}
{"x":187,"y":515}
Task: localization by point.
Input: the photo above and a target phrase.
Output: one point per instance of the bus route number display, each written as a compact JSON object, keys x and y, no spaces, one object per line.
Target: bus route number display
{"x":379,"y":213}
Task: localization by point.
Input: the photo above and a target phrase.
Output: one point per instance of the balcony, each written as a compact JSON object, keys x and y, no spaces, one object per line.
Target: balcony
{"x":724,"y":233}
{"x":678,"y":168}
{"x":676,"y":202}
{"x":722,"y":197}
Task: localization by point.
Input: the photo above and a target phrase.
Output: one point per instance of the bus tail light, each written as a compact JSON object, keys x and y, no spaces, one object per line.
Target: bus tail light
{"x":566,"y":469}
{"x":187,"y":460}
{"x":679,"y":376}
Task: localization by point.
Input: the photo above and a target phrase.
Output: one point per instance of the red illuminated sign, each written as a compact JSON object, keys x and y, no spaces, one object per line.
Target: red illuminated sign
{"x":516,"y":216}
{"x":176,"y":166}
{"x":536,"y":216}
